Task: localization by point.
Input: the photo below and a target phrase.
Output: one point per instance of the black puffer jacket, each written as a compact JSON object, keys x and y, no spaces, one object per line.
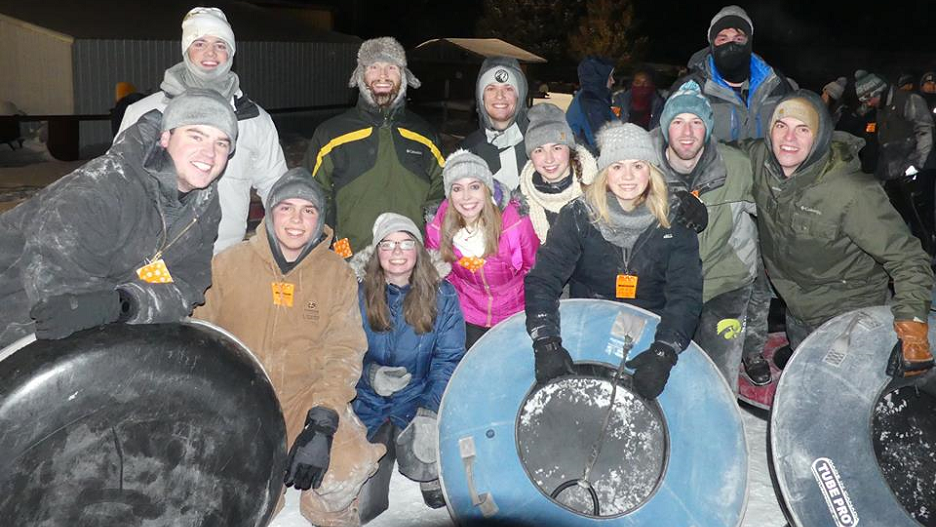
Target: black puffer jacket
{"x":666,"y":262}
{"x":92,"y":229}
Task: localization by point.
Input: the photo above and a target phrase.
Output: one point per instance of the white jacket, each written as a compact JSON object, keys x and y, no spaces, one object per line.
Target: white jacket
{"x":258,"y":162}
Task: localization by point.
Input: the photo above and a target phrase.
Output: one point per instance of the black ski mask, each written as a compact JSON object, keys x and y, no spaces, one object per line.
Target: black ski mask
{"x":733,"y":60}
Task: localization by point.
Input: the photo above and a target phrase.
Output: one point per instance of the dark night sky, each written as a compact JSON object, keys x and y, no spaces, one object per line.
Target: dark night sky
{"x":812,"y":41}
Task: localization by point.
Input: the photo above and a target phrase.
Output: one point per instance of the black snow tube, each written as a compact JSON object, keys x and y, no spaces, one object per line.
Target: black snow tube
{"x":849,"y":445}
{"x":169,"y":424}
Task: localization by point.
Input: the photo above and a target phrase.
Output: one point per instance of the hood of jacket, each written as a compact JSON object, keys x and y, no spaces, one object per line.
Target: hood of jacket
{"x":593,"y":73}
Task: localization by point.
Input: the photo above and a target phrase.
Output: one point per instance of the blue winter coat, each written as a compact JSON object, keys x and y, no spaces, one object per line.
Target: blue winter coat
{"x":430,"y":358}
{"x":590,"y":109}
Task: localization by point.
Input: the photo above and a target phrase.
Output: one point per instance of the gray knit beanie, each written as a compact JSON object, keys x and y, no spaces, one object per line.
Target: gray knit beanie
{"x":198,"y":106}
{"x":836,"y":88}
{"x":730,"y":16}
{"x":382,"y":49}
{"x":390,"y":222}
{"x":547,"y":125}
{"x":867,"y":85}
{"x":687,"y":99}
{"x":463,"y":164}
{"x":623,"y":141}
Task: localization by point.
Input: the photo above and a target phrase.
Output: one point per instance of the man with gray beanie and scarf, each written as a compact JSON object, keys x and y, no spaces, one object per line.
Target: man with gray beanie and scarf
{"x":695,"y":164}
{"x":378,"y":156}
{"x":294,"y":303}
{"x":500,"y":97}
{"x":208,"y":48}
{"x":126,"y":237}
{"x":742,"y":88}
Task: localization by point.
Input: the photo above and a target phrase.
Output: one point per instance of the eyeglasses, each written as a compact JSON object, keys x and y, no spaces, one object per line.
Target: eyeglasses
{"x":405,"y":245}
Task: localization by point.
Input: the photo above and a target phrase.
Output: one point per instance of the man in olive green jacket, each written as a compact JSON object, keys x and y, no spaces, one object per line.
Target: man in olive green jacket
{"x":829,"y":236}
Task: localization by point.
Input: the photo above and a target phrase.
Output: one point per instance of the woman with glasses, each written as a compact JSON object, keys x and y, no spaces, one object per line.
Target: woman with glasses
{"x":480,"y":230}
{"x":415,"y":338}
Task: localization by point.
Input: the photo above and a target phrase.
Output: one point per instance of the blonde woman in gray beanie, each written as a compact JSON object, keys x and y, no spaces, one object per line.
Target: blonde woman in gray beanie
{"x":558,"y":168}
{"x":489,"y":242}
{"x":617,"y":242}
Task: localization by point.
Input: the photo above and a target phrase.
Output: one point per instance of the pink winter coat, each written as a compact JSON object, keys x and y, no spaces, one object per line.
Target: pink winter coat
{"x":495,"y":291}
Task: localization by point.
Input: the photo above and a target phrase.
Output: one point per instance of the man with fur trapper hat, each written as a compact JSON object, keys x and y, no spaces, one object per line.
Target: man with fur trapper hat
{"x":294,"y":303}
{"x":208,"y":48}
{"x":378,"y":156}
{"x":500,"y":96}
{"x":126,"y":237}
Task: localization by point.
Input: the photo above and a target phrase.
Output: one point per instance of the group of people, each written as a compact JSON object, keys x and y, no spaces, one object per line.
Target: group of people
{"x":380,"y":261}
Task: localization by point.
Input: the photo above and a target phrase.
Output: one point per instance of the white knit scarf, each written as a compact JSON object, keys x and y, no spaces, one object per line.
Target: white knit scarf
{"x":540,"y":202}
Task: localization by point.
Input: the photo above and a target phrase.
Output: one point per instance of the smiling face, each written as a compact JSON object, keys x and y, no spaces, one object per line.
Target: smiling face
{"x":209,"y":52}
{"x":500,"y":103}
{"x":686,"y":135}
{"x":791,"y":141}
{"x":199,"y":154}
{"x":628,"y":180}
{"x":294,"y":223}
{"x":383,"y":81}
{"x":551,"y":160}
{"x":396,"y":261}
{"x":468,"y":197}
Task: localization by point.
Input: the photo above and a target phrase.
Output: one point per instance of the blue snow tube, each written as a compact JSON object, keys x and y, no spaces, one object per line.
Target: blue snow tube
{"x":513,"y":452}
{"x":849,"y":445}
{"x":163,"y":424}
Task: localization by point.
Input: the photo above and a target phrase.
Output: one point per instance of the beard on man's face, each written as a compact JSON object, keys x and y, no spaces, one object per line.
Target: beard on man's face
{"x":383,"y":98}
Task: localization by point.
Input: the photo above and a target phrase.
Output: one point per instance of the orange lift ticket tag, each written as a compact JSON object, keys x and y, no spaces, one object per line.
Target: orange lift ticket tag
{"x":283,"y":294}
{"x":472,"y":263}
{"x":343,"y":248}
{"x":626,"y":286}
{"x":155,"y":273}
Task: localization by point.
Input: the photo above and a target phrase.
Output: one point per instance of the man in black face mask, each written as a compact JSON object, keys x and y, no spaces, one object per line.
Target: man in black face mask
{"x":742,"y":88}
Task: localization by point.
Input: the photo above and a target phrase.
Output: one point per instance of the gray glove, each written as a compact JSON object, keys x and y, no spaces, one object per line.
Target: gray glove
{"x":387,"y":380}
{"x":425,"y":436}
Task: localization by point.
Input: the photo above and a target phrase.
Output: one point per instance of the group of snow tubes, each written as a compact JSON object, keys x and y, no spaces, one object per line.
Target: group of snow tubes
{"x":178,"y":424}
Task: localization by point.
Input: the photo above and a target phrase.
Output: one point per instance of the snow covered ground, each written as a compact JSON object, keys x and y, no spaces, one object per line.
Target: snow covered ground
{"x":407,"y":508}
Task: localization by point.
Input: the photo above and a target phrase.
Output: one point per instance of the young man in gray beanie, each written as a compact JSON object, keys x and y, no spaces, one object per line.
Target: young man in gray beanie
{"x":294,"y":302}
{"x":695,"y":164}
{"x":208,"y":48}
{"x":501,"y":100}
{"x":741,"y":87}
{"x":378,"y":156}
{"x":126,"y":237}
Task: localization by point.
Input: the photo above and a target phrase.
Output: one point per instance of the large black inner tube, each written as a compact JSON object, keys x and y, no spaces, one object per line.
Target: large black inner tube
{"x":904,"y":438}
{"x":557,"y":428}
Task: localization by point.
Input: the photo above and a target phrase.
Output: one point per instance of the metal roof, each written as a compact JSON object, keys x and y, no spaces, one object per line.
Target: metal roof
{"x":482,"y":47}
{"x":162,"y":20}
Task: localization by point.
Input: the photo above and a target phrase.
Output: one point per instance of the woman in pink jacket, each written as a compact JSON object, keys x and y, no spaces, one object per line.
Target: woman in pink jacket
{"x":490,"y":244}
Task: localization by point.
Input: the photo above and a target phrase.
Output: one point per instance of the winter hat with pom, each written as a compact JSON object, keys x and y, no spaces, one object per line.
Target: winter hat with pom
{"x":687,"y":99}
{"x":463,"y":164}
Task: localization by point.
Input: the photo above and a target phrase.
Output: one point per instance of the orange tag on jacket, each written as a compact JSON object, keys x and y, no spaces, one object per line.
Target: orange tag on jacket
{"x":155,"y":273}
{"x":695,"y":193}
{"x":283,"y":294}
{"x":871,"y":128}
{"x":343,"y":248}
{"x":626,"y":286}
{"x":472,"y":263}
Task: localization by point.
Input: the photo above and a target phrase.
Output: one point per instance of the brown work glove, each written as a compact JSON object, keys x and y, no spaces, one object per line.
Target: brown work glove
{"x":913,"y":347}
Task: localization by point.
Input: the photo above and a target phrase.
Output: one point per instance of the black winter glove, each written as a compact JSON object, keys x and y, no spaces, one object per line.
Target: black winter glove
{"x":551,"y":359}
{"x":311,"y":452}
{"x":59,"y":316}
{"x":690,"y":211}
{"x":652,"y":369}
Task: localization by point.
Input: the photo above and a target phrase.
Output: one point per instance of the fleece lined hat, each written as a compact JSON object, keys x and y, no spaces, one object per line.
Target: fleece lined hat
{"x":199,"y":106}
{"x":382,"y":49}
{"x":687,"y":99}
{"x":501,"y":70}
{"x":547,"y":125}
{"x":463,"y":164}
{"x":730,"y":16}
{"x":867,"y":85}
{"x":206,"y":21}
{"x":836,"y":88}
{"x":390,"y":222}
{"x":623,"y":141}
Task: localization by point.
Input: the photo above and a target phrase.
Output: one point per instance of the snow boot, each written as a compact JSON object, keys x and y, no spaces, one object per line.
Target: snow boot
{"x":757,"y":369}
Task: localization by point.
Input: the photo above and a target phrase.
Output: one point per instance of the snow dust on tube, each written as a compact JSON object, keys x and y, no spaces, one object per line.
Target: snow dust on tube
{"x":144,"y":425}
{"x":849,"y":446}
{"x":516,"y":453}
